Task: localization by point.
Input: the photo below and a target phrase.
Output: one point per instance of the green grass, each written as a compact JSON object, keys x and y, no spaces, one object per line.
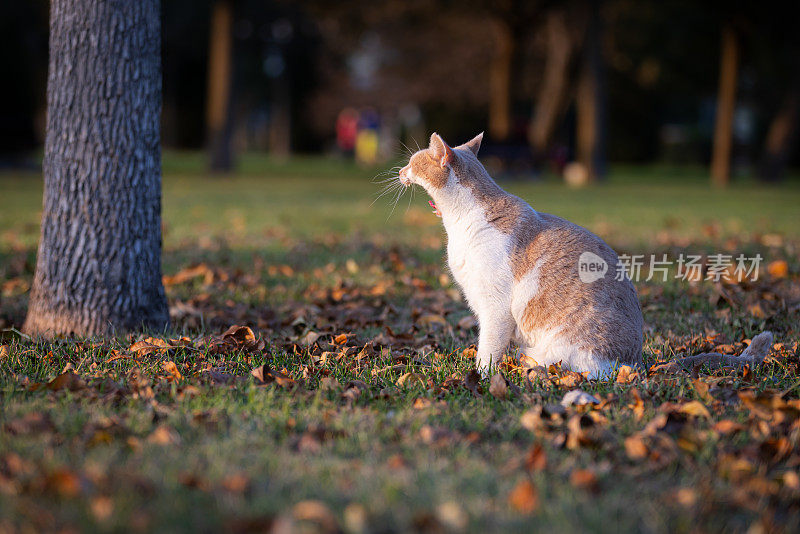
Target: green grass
{"x":298,"y":247}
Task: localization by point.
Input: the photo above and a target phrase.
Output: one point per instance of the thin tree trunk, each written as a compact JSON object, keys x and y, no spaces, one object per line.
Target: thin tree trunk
{"x":590,"y":102}
{"x":726,"y":106}
{"x":780,"y":137}
{"x":500,"y":80}
{"x":98,"y":269}
{"x":553,"y":93}
{"x":220,"y":72}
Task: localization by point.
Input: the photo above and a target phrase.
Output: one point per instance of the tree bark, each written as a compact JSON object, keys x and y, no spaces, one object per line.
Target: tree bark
{"x":500,"y":80}
{"x":220,"y":72}
{"x":98,"y":269}
{"x":553,"y":92}
{"x":726,"y":106}
{"x":590,"y":104}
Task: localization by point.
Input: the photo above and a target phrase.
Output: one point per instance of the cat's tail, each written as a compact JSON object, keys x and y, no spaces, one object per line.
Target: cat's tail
{"x":753,"y":355}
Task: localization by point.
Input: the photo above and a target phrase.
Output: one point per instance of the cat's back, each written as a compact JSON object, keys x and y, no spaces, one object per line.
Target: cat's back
{"x":570,"y":280}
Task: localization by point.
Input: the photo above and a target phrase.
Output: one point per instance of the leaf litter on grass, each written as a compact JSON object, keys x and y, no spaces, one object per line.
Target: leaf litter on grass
{"x":395,"y":352}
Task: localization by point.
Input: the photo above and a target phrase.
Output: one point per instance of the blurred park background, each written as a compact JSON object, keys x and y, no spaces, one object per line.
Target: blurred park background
{"x":564,"y":88}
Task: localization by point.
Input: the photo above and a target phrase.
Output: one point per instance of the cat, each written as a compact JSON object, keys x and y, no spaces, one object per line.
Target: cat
{"x":519,"y":270}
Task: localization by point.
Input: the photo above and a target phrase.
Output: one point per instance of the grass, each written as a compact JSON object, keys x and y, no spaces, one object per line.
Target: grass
{"x":298,"y":247}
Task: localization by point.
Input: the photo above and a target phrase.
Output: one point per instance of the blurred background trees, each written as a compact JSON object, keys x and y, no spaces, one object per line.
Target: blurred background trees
{"x":563,"y":86}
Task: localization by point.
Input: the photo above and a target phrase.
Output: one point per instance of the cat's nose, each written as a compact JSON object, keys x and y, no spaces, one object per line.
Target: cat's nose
{"x":404,"y":178}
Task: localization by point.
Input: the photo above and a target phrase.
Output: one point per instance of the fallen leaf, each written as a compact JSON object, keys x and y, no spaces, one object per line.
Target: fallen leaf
{"x":431,"y":321}
{"x":102,"y":507}
{"x":524,"y":498}
{"x":626,"y":375}
{"x":64,"y":482}
{"x":240,"y":335}
{"x":68,"y":380}
{"x":309,"y":339}
{"x":465,"y":323}
{"x":472,"y":382}
{"x":149,"y":345}
{"x":536,"y":460}
{"x":584,"y":479}
{"x":726,"y":426}
{"x":172,"y":371}
{"x":5,"y":351}
{"x":164,"y":435}
{"x":498,"y":387}
{"x":316,"y":512}
{"x":778,"y":269}
{"x":410,"y":380}
{"x":635,"y":448}
{"x":696,"y":409}
{"x":341,"y":339}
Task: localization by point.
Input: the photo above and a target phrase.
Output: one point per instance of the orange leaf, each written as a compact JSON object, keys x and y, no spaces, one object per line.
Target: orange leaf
{"x":778,"y":269}
{"x":524,"y":498}
{"x":172,"y":371}
{"x":68,"y":380}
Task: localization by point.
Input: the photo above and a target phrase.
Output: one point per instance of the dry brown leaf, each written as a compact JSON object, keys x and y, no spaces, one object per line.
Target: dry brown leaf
{"x":410,"y":380}
{"x":467,"y":322}
{"x":702,"y":388}
{"x":316,"y":512}
{"x":68,"y":380}
{"x":570,"y":379}
{"x":727,"y":426}
{"x":696,"y":409}
{"x":341,"y":339}
{"x":5,"y":351}
{"x":635,"y":447}
{"x":626,"y":375}
{"x":472,"y":382}
{"x":584,"y":479}
{"x":778,"y":269}
{"x":184,"y":275}
{"x":64,"y":482}
{"x":536,"y":459}
{"x":498,"y":387}
{"x":164,"y":435}
{"x":236,"y":483}
{"x":309,"y":339}
{"x":524,"y":498}
{"x":149,"y":345}
{"x":240,"y":335}
{"x":431,"y":321}
{"x":172,"y":371}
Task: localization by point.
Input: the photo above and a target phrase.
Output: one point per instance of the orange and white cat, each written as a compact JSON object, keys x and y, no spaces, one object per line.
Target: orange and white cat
{"x":519,"y":270}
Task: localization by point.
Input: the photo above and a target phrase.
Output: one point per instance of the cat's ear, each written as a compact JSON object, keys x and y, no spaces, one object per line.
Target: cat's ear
{"x":440,"y":150}
{"x":474,"y":144}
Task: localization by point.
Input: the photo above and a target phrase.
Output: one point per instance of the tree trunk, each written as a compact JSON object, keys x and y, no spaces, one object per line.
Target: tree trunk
{"x":500,"y":80}
{"x":220,"y":72}
{"x":552,"y":97}
{"x":726,"y":106}
{"x":780,"y":137}
{"x":590,"y":104}
{"x":98,"y":269}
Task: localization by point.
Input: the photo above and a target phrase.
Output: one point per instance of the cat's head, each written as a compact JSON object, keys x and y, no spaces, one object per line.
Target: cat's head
{"x":431,"y":167}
